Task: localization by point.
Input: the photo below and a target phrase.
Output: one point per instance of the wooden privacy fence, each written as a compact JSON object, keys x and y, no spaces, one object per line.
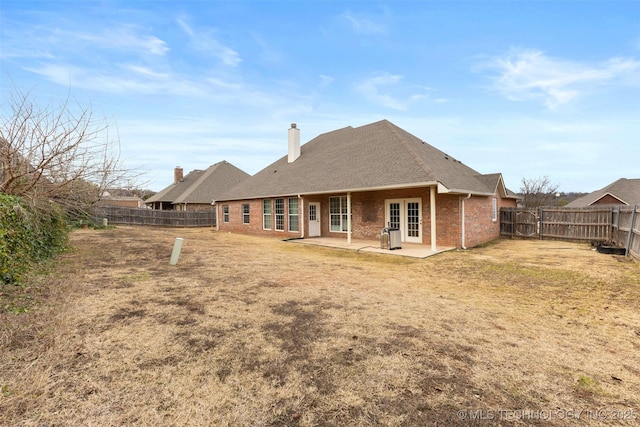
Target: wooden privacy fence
{"x":140,"y":216}
{"x":618,"y":225}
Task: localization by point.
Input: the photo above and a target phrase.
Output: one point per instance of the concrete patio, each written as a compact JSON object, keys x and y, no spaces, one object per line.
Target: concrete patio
{"x":408,"y":249}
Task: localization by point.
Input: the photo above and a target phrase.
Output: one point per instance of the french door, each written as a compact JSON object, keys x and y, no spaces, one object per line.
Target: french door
{"x":406,"y":215}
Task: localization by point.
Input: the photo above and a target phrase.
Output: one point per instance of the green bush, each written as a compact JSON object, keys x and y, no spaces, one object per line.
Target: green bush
{"x":28,"y":236}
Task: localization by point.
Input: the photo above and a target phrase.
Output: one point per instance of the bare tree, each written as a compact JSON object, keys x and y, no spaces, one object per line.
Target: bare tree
{"x":538,"y":192}
{"x":56,"y":153}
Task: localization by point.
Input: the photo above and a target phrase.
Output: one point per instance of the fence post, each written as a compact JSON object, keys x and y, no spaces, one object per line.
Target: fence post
{"x":633,"y":220}
{"x":618,"y":227}
{"x":540,"y":223}
{"x":611,"y":224}
{"x":514,"y":221}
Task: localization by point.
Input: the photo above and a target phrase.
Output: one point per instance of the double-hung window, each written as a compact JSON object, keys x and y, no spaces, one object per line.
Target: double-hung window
{"x":246,"y":213}
{"x":225,"y":213}
{"x":338,"y":213}
{"x":279,"y":213}
{"x":266,"y":214}
{"x":294,"y":219}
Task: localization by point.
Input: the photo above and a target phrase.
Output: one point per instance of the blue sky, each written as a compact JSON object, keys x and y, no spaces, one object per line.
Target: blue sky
{"x":524,"y":88}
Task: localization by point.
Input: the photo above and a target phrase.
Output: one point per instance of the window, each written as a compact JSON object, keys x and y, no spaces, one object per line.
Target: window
{"x":266,"y":214}
{"x":338,"y":213}
{"x":279,"y":212}
{"x":494,"y":209}
{"x":245,"y":213}
{"x":225,"y":213}
{"x":294,"y":219}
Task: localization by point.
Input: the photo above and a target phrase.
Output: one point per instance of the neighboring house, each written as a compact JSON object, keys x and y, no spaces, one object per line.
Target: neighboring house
{"x":123,"y":201}
{"x":621,"y":192}
{"x":121,"y":197}
{"x":353,"y":182}
{"x":198,"y":189}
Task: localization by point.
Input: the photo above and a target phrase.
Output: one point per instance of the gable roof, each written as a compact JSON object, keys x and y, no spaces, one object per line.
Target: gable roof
{"x":201,"y":186}
{"x":627,"y":191}
{"x":375,"y":156}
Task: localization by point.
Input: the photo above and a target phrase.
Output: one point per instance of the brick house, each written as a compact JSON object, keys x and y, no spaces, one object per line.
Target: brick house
{"x":353,"y":182}
{"x":621,"y":192}
{"x":198,"y":188}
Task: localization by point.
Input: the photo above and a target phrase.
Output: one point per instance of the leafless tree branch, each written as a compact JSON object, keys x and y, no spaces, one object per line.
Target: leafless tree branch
{"x":60,"y":152}
{"x":538,"y":192}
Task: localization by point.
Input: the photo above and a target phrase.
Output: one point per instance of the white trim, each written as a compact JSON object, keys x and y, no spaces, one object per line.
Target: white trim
{"x":432,"y":211}
{"x":317,"y":206}
{"x":444,"y":190}
{"x":349,"y":218}
{"x":302,"y":216}
{"x":494,"y":209}
{"x":403,"y":214}
{"x":343,"y":191}
{"x":462,"y":217}
{"x":270,"y":214}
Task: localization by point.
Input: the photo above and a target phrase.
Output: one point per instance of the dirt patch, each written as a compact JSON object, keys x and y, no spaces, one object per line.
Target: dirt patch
{"x":256,"y":331}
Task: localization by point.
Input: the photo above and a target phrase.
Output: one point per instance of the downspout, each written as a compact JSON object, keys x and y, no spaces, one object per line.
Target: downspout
{"x":432,"y":208}
{"x":349,"y":218}
{"x":304,"y":216}
{"x":462,"y":242}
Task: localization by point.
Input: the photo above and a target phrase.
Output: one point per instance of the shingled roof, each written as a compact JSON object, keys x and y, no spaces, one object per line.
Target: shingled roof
{"x":627,"y":191}
{"x":201,"y":186}
{"x":375,"y":156}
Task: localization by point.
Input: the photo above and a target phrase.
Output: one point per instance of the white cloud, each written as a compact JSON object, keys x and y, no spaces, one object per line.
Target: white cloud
{"x":530,"y":74}
{"x":204,"y":41}
{"x":325,"y":80}
{"x":363,"y":26}
{"x":138,"y":80}
{"x":185,"y":27}
{"x":53,"y":42}
{"x":373,"y":89}
{"x":146,"y":72}
{"x":125,"y":38}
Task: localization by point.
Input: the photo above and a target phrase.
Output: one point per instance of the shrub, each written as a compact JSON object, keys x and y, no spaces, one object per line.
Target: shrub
{"x":28,"y":235}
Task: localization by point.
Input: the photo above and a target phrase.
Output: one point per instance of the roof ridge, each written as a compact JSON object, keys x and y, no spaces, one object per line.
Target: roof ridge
{"x":194,"y":185}
{"x":409,"y":148}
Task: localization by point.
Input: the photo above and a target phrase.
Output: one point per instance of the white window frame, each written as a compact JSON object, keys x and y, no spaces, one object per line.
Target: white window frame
{"x":246,"y":213}
{"x":294,"y":218}
{"x":225,"y":214}
{"x":267,"y":214}
{"x":338,"y":217}
{"x":494,"y":209}
{"x":279,"y":214}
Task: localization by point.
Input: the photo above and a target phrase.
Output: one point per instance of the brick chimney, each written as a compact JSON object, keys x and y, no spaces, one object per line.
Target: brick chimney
{"x":294,"y":143}
{"x":178,"y":175}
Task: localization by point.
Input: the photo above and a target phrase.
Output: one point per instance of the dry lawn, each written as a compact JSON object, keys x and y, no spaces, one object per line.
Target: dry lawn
{"x":249,"y":331}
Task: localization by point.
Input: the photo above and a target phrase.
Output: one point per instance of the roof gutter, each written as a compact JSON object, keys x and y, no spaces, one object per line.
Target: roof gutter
{"x":444,"y":190}
{"x":339,"y":190}
{"x":441,"y":190}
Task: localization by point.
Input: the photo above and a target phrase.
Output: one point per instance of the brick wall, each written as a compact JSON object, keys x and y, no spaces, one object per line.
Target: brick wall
{"x":479,"y":225}
{"x":368,"y":213}
{"x":255,"y":225}
{"x":607,"y":199}
{"x":447,"y":220}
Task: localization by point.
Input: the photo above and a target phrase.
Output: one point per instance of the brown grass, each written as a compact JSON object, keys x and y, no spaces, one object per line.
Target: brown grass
{"x":257,"y":332}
